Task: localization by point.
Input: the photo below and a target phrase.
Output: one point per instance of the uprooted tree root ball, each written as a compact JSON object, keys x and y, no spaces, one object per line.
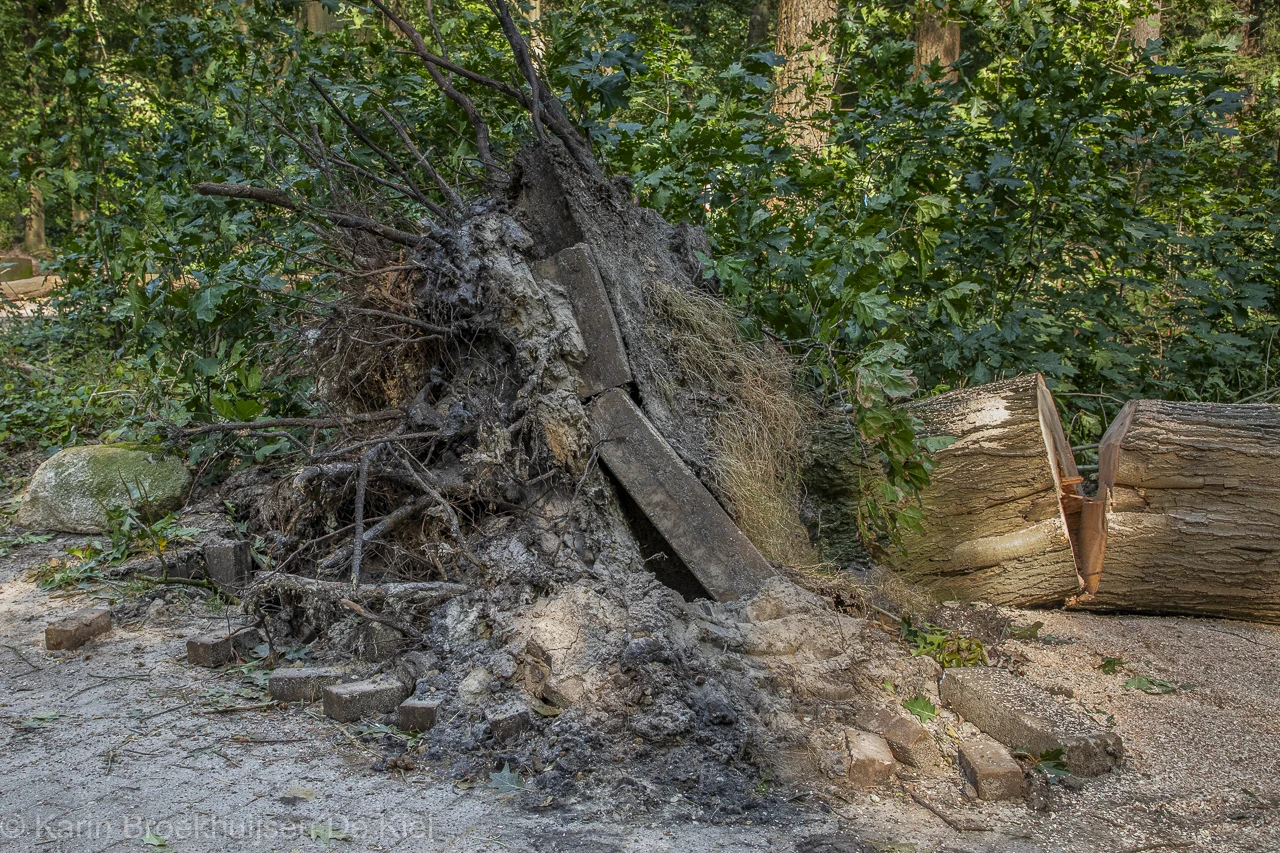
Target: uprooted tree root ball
{"x":463,"y":537}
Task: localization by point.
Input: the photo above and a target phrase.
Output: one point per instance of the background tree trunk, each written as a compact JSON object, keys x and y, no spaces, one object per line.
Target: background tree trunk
{"x":1194,"y":521}
{"x":758,"y":27}
{"x":936,"y":39}
{"x":316,"y":18}
{"x":1251,"y":30}
{"x":1146,"y":29}
{"x":805,"y":31}
{"x":33,"y":222}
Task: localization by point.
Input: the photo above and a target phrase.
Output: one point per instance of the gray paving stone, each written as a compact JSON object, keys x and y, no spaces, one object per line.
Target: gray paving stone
{"x":991,"y":769}
{"x":228,"y":563}
{"x":305,"y":684}
{"x":72,"y":632}
{"x":509,"y":720}
{"x":417,"y":714}
{"x":1022,"y":716}
{"x":870,"y":761}
{"x":909,"y":741}
{"x":356,"y":700}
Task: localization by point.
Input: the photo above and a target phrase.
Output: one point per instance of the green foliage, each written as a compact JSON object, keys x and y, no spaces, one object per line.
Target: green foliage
{"x":949,"y":648}
{"x":1068,"y":205}
{"x":920,"y":706}
{"x":57,"y":386}
{"x":1110,"y":665}
{"x":1154,"y":686}
{"x":62,"y":575}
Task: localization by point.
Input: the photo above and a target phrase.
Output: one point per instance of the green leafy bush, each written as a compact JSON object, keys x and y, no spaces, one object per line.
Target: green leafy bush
{"x":1067,"y":204}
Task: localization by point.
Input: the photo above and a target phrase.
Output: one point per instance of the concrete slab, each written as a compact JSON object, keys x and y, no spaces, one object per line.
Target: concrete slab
{"x":991,"y":769}
{"x":681,"y":509}
{"x":870,"y":759}
{"x":1022,"y":716}
{"x":72,"y":632}
{"x":606,"y":365}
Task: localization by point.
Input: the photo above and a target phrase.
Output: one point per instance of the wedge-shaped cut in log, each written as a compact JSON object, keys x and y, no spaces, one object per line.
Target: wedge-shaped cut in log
{"x":1194,"y":519}
{"x":1001,"y":501}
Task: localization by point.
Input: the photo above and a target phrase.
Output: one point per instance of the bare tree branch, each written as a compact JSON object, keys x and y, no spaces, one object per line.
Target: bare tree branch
{"x":278,"y":198}
{"x":521,"y":51}
{"x":266,"y":195}
{"x":334,"y":420}
{"x":386,"y":232}
{"x":455,"y":201}
{"x":414,"y":192}
{"x":433,"y":64}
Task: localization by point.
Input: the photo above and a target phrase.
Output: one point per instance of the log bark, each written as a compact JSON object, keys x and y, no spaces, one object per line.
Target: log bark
{"x":1193,"y":525}
{"x":1001,"y":500}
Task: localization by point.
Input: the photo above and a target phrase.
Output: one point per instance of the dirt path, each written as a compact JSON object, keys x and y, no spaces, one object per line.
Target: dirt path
{"x":121,"y":738}
{"x":135,"y":747}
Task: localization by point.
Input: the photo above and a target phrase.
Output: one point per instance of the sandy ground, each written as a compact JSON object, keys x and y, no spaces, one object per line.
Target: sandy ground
{"x":122,"y":738}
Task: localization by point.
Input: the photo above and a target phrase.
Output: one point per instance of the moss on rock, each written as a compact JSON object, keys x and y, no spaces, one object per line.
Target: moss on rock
{"x":73,"y":490}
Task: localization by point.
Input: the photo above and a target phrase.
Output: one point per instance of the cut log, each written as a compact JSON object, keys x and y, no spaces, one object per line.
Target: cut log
{"x":1194,"y":519}
{"x":1001,"y":500}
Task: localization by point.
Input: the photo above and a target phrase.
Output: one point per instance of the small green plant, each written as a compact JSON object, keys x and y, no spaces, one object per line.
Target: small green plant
{"x":1154,"y":686}
{"x":61,"y":575}
{"x":921,"y":707}
{"x":128,"y":535}
{"x":153,"y":840}
{"x":9,"y":543}
{"x":1110,"y":665}
{"x":1052,"y":763}
{"x":949,"y":648}
{"x":40,"y":720}
{"x":506,"y":780}
{"x":1025,"y":632}
{"x":326,"y":832}
{"x":765,"y":785}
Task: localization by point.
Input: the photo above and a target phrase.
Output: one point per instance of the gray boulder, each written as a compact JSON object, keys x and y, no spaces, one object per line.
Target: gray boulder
{"x":72,"y":490}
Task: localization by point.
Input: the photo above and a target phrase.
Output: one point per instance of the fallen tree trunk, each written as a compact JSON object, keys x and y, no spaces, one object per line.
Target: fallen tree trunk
{"x":1194,"y":519}
{"x":1001,"y":501}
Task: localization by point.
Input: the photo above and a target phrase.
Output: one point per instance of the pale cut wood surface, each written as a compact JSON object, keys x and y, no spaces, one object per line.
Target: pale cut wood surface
{"x":994,"y":525}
